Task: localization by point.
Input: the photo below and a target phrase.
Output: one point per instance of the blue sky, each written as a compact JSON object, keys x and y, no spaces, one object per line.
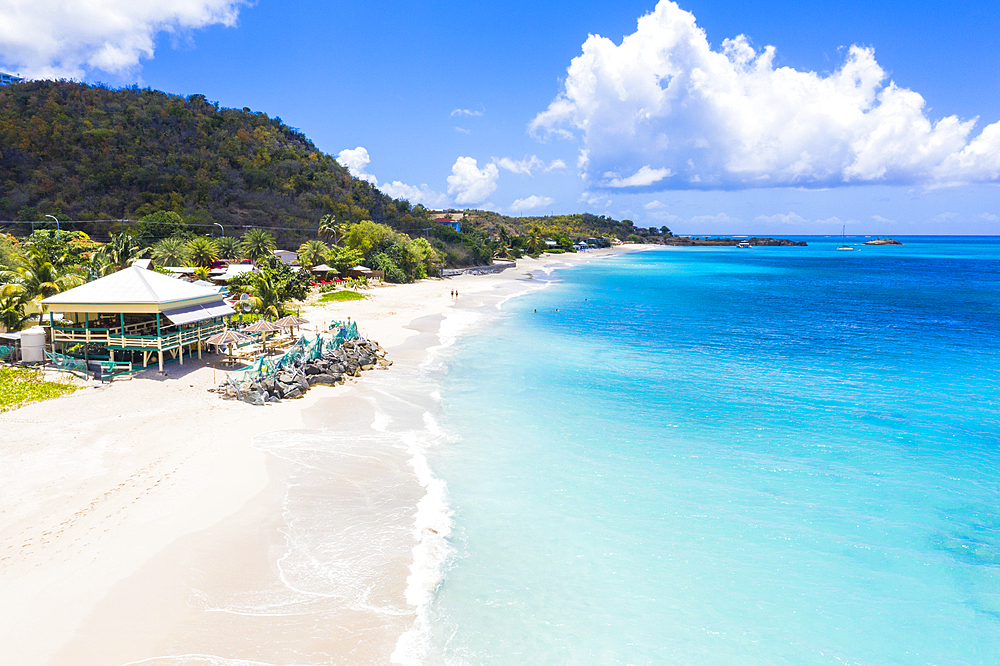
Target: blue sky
{"x":520,"y":108}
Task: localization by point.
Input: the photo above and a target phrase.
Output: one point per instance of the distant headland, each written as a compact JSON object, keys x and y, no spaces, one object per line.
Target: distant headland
{"x":755,"y":242}
{"x":883,"y":241}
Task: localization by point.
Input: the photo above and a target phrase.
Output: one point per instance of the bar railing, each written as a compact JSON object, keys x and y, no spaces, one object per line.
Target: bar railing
{"x":115,"y":337}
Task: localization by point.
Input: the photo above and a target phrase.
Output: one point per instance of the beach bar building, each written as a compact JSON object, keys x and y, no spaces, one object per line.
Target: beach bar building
{"x":137,"y":313}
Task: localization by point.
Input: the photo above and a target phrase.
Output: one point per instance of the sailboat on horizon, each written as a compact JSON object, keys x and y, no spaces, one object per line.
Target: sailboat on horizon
{"x":843,"y":240}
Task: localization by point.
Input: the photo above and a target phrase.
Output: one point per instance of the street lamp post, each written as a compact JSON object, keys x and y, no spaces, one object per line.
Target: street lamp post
{"x":58,"y":232}
{"x":221,"y":228}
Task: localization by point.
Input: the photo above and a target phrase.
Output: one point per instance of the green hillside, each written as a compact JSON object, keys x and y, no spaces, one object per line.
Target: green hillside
{"x":92,"y":153}
{"x":102,"y":159}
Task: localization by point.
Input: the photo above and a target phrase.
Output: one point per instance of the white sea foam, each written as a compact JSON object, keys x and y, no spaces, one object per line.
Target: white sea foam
{"x":432,"y":527}
{"x":540,"y":285}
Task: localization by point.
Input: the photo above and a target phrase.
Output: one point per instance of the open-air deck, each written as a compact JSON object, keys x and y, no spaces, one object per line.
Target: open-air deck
{"x":137,"y":311}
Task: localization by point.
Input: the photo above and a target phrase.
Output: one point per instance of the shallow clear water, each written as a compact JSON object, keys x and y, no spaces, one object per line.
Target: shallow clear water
{"x":722,"y":456}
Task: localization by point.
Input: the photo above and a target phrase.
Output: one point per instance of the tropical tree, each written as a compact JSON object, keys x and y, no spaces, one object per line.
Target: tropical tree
{"x":202,"y":251}
{"x":256,"y":244}
{"x":372,"y":238}
{"x":39,"y":277}
{"x":343,"y":258}
{"x":229,"y":247}
{"x":535,"y":241}
{"x":313,"y":253}
{"x":171,"y":252}
{"x":265,"y":294}
{"x":201,"y":272}
{"x":423,"y":257}
{"x":12,"y":302}
{"x":330,"y":227}
{"x":122,"y":250}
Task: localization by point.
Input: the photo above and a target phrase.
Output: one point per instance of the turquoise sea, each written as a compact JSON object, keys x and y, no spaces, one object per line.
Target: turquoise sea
{"x":724,"y":456}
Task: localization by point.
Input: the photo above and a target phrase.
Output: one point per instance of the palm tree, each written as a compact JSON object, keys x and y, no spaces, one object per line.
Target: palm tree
{"x":40,"y":278}
{"x":256,"y":244}
{"x":171,"y":252}
{"x":12,"y":302}
{"x":312,"y":253}
{"x":202,"y":251}
{"x":229,"y":247}
{"x":329,"y":226}
{"x":535,"y":242}
{"x":122,"y":250}
{"x":265,"y":295}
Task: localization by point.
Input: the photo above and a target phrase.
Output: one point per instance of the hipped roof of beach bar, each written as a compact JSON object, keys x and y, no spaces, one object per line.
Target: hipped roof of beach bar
{"x":136,"y":290}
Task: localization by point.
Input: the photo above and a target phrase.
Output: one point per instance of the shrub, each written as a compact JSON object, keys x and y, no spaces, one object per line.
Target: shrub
{"x":393,"y":273}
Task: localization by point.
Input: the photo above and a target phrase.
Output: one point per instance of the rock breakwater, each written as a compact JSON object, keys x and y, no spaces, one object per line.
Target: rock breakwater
{"x":349,"y":360}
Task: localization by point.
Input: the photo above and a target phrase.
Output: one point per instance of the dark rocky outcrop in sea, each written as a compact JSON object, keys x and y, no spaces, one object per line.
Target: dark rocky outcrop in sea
{"x":883,"y":241}
{"x":349,"y":360}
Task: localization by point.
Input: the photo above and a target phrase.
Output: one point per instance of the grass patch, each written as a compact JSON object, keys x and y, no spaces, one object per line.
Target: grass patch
{"x":20,"y":386}
{"x":340,"y":296}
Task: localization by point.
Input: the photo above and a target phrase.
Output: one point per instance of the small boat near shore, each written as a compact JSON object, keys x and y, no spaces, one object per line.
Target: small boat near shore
{"x":744,"y":245}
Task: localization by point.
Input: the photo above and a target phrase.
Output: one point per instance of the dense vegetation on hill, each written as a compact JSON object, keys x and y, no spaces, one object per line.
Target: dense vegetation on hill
{"x":162,"y":166}
{"x":93,"y":153}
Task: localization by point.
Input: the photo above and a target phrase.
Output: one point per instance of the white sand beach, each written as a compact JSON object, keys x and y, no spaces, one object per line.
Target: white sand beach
{"x":150,"y":521}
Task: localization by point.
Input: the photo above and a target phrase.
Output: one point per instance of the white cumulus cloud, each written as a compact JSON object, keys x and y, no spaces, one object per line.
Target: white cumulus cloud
{"x":524,"y":166}
{"x":65,"y":39}
{"x":531,"y":203}
{"x":528,"y":165}
{"x":469,"y":184}
{"x":356,"y":160}
{"x":641,"y":178}
{"x":792,"y":218}
{"x":421,"y":195}
{"x":466,"y":112}
{"x":665,"y":101}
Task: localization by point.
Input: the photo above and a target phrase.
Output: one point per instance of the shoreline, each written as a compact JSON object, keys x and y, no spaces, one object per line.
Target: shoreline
{"x":117,"y":497}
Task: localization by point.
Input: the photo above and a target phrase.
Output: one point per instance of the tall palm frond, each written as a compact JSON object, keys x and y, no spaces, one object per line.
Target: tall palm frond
{"x":312,"y":253}
{"x":330,"y":227}
{"x":264,"y":293}
{"x":256,"y":244}
{"x":123,"y":250}
{"x":12,"y":302}
{"x":229,"y":247}
{"x":202,"y":251}
{"x":171,"y":252}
